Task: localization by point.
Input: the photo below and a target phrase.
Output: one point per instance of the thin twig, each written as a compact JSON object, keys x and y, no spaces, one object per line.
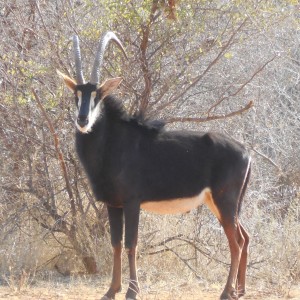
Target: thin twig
{"x":267,"y":158}
{"x":210,"y":118}
{"x":58,"y":152}
{"x":198,"y":78}
{"x":242,"y":85}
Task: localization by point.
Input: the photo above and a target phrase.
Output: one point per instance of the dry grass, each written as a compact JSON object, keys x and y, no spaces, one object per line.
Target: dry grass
{"x":88,"y":288}
{"x":273,"y":271}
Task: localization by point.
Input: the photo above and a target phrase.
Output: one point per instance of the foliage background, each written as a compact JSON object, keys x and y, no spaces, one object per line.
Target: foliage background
{"x":227,"y":66}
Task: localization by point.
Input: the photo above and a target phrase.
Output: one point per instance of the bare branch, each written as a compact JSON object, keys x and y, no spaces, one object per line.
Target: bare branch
{"x":144,"y":61}
{"x":242,"y":85}
{"x":196,"y":80}
{"x":210,"y":118}
{"x":58,"y":152}
{"x":266,"y":158}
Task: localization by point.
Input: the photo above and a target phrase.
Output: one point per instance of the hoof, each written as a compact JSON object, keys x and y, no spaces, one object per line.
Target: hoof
{"x":110,"y":295}
{"x":231,"y":296}
{"x":241,"y":293}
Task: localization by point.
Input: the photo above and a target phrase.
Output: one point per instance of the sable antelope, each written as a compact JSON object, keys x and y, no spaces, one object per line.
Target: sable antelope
{"x":133,"y":163}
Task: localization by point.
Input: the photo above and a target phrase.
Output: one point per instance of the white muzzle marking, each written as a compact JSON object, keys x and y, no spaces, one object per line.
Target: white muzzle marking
{"x":94,"y":112}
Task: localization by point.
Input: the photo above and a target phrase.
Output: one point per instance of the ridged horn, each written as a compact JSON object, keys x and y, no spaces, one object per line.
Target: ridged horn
{"x":78,"y":67}
{"x":106,"y":38}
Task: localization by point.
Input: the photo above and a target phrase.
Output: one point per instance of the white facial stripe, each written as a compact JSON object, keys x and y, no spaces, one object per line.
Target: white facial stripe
{"x":93,"y":112}
{"x":79,"y":95}
{"x":92,"y":101}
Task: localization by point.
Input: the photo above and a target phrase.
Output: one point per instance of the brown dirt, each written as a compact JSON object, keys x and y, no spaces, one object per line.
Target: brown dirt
{"x":85,"y":288}
{"x":92,"y":290}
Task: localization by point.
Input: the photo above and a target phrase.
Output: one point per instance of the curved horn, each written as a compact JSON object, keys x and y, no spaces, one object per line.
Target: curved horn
{"x":79,"y":74}
{"x":108,"y":36}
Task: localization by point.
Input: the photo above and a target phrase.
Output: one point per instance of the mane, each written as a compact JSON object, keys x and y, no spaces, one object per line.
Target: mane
{"x":148,"y":124}
{"x":114,"y":109}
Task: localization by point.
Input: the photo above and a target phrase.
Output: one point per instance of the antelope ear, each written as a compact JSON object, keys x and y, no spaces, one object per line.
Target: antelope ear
{"x":109,"y":86}
{"x":70,"y":83}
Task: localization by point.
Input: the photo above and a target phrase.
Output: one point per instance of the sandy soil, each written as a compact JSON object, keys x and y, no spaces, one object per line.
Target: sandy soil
{"x":92,"y":290}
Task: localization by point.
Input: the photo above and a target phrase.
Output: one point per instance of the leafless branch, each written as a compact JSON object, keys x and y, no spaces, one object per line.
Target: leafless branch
{"x":241,"y":86}
{"x":59,"y":153}
{"x":198,"y":78}
{"x":266,"y":158}
{"x":210,"y":118}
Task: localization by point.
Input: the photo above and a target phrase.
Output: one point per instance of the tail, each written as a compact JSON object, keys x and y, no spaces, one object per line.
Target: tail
{"x":244,"y":186}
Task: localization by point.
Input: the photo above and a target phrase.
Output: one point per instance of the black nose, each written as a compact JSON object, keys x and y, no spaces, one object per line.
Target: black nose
{"x":82,"y":121}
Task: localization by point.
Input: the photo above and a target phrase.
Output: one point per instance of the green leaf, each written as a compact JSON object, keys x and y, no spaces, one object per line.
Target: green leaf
{"x":228,"y":55}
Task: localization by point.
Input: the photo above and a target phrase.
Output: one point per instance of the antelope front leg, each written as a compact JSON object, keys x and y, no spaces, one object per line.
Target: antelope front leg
{"x":116,"y":230}
{"x":132,"y":214}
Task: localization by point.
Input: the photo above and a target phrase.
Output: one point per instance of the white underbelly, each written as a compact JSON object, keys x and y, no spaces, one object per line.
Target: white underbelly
{"x":177,"y":206}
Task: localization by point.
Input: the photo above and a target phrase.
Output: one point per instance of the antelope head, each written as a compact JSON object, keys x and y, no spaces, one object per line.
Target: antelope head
{"x":88,"y":95}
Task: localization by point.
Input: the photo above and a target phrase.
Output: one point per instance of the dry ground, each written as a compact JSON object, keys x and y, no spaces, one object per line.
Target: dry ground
{"x":87,"y":289}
